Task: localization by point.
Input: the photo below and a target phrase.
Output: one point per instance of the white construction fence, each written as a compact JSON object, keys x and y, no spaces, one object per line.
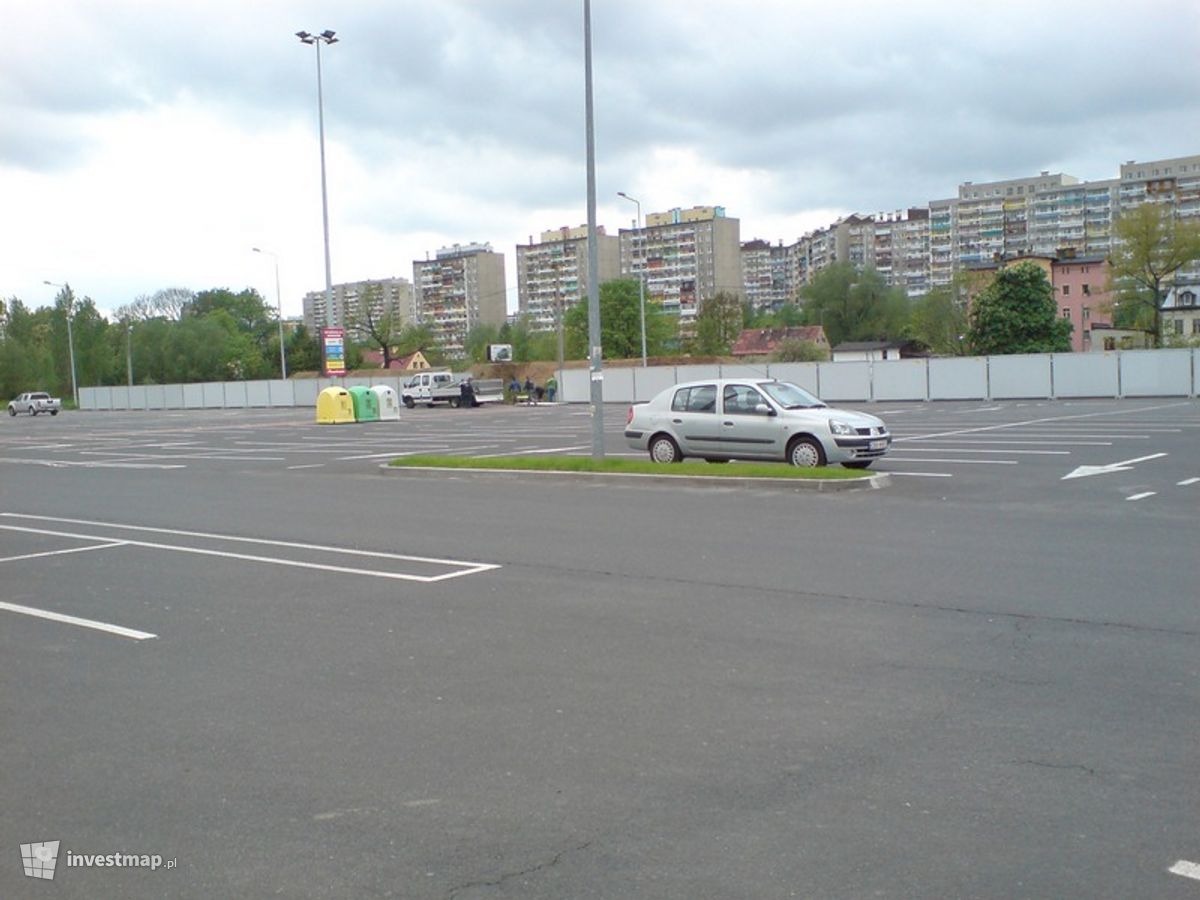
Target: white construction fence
{"x":1127,"y":373}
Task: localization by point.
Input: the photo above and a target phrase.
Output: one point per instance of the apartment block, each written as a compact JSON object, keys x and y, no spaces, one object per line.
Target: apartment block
{"x":554,"y":272}
{"x":769,"y":274}
{"x":459,"y":289}
{"x":900,"y":251}
{"x":394,"y":295}
{"x":686,"y":257}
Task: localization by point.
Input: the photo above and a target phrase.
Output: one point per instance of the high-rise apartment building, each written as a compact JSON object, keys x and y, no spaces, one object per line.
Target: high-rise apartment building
{"x":768,"y":274}
{"x":554,"y":272}
{"x":461,"y":288}
{"x":384,"y":295}
{"x":686,"y":257}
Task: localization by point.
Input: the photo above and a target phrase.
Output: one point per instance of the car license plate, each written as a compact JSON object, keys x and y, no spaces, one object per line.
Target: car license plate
{"x":878,"y":445}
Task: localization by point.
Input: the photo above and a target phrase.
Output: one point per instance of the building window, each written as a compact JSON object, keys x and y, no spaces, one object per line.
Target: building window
{"x":1066,"y":313}
{"x":1066,"y":290}
{"x":1087,"y":290}
{"x":1195,"y":326}
{"x":1087,"y":313}
{"x":1110,"y":343}
{"x":1179,"y":326}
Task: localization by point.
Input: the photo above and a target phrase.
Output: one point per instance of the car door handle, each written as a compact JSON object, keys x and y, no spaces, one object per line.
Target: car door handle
{"x":730,"y":424}
{"x":677,"y":421}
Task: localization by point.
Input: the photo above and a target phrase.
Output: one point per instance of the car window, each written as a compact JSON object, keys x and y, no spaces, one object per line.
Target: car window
{"x":743,"y":400}
{"x":702,"y":398}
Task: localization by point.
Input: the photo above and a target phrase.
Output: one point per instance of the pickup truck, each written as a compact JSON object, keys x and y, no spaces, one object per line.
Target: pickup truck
{"x":35,"y":402}
{"x":432,"y":388}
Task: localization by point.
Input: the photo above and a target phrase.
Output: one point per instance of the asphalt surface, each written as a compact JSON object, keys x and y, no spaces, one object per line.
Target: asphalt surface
{"x":978,"y":682}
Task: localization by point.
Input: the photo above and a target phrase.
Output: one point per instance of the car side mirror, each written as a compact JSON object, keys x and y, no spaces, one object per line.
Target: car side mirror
{"x":763,"y":410}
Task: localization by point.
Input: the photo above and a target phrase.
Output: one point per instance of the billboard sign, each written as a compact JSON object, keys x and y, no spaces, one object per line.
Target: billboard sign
{"x":333,"y":352}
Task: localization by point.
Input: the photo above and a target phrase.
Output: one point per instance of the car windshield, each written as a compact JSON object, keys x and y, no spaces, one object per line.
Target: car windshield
{"x":789,"y":396}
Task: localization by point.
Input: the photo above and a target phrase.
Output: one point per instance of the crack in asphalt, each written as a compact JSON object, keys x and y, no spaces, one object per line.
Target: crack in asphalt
{"x":507,"y":876}
{"x":898,"y":603}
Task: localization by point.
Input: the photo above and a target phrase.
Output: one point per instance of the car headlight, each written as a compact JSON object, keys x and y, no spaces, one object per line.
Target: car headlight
{"x":840,"y":427}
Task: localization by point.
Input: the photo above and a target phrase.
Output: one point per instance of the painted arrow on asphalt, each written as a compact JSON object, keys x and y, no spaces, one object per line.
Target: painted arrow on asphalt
{"x":1123,"y":466}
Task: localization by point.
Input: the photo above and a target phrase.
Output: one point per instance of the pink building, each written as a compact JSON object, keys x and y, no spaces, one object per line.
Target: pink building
{"x":1081,"y":290}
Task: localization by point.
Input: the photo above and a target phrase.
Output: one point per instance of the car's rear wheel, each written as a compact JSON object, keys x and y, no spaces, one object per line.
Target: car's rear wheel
{"x":54,"y":412}
{"x":663,"y":449}
{"x":858,"y":464}
{"x":12,"y":411}
{"x":454,"y":402}
{"x":805,"y":452}
{"x":33,"y":410}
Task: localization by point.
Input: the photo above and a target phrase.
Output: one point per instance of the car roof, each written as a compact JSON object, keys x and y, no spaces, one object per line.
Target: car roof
{"x":721,"y":382}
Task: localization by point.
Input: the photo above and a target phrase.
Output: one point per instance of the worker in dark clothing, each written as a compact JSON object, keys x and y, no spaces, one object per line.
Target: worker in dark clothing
{"x":466,"y":393}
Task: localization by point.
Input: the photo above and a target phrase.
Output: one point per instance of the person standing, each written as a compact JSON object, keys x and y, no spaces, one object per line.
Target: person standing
{"x":551,"y":388}
{"x":530,"y":392}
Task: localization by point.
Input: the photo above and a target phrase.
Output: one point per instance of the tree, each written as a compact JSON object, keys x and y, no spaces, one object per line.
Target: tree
{"x":718,"y":324}
{"x":1017,"y":313}
{"x":939,"y":321}
{"x":373,"y":321}
{"x":853,"y":305}
{"x":1150,"y":245}
{"x":620,"y":324}
{"x":479,"y":339}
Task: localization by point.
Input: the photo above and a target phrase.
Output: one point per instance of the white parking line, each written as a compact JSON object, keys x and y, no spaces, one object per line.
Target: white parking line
{"x":972,"y":462}
{"x":75,"y":620}
{"x":465,"y":567}
{"x":1142,"y":496}
{"x":920,"y":474}
{"x":1186,"y":869}
{"x":965,"y":450}
{"x":1187,"y":481}
{"x":67,"y":464}
{"x":61,"y":552}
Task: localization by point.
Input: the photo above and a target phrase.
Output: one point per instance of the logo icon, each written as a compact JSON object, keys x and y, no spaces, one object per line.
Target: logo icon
{"x":39,"y":859}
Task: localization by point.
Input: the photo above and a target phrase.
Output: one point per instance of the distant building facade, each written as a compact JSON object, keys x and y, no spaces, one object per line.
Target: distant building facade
{"x":459,"y":289}
{"x":686,"y":257}
{"x":393,"y":295}
{"x":553,"y":273}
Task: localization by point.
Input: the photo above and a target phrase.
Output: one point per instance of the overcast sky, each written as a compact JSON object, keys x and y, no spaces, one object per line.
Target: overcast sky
{"x":151,"y":143}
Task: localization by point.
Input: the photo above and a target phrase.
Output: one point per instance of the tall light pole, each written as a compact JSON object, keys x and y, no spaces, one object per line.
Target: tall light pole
{"x":595,"y":354}
{"x":641,"y":276}
{"x":325,"y":37}
{"x":129,"y":353}
{"x":279,"y":306}
{"x":70,"y":338}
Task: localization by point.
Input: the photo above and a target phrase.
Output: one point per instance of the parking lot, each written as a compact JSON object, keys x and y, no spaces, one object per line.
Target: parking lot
{"x":228,"y":639}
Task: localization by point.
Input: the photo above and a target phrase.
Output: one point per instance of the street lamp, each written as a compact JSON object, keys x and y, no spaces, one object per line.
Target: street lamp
{"x":129,"y":353}
{"x":70,"y":338}
{"x":325,"y":37}
{"x":279,"y":306}
{"x":641,"y":276}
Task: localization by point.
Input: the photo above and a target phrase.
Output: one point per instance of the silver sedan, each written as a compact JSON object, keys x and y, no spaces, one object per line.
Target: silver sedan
{"x":735,"y":418}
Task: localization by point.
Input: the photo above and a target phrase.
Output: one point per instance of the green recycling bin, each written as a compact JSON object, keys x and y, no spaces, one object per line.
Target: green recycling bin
{"x":366,"y":404}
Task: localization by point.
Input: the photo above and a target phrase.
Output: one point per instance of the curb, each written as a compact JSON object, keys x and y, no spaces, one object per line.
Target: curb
{"x":869,"y":483}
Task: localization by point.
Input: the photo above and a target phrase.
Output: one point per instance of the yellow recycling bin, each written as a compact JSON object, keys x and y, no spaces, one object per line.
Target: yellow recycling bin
{"x":334,"y":406}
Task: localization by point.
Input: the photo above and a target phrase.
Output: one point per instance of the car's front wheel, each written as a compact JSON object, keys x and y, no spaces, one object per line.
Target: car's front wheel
{"x":12,"y":410}
{"x":663,"y":449}
{"x":409,"y":403}
{"x":805,"y":452}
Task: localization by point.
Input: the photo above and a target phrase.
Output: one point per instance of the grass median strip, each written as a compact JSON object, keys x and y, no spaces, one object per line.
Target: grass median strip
{"x":627,"y":467}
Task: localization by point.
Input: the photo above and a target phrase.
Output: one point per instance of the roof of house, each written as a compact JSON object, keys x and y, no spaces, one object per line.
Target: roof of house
{"x":763,"y":341}
{"x":859,"y":346}
{"x":375,"y":358}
